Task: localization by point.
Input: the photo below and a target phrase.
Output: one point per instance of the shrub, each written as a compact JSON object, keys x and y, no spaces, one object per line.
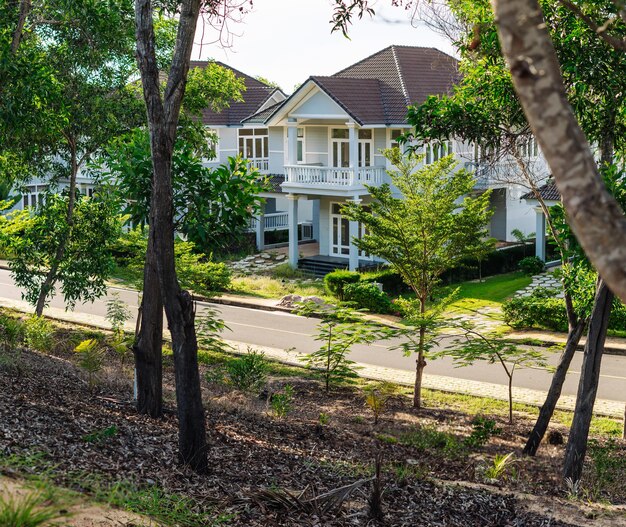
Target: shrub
{"x":392,"y":282}
{"x":249,"y":372}
{"x":540,"y":309}
{"x":336,"y":281}
{"x":377,"y":396}
{"x":199,"y":274}
{"x":11,"y":332}
{"x":282,"y":402}
{"x":129,"y":250}
{"x":91,"y":358}
{"x":38,"y":333}
{"x":367,"y":296}
{"x":531,"y":265}
{"x":483,"y":428}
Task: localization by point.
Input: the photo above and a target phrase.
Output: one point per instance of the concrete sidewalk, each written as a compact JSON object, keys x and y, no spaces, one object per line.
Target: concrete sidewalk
{"x":368,"y":371}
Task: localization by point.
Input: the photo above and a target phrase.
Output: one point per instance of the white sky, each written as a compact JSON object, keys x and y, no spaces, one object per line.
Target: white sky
{"x":286,"y":41}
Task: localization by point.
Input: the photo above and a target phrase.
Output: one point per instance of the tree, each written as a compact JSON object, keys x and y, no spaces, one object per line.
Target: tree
{"x":474,"y":346}
{"x":424,"y":232}
{"x":523,"y":238}
{"x":34,"y":236}
{"x":340,"y":329}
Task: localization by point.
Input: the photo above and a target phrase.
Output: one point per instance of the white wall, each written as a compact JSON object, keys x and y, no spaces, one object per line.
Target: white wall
{"x":228,"y":145}
{"x":316,"y":145}
{"x":277,"y":150}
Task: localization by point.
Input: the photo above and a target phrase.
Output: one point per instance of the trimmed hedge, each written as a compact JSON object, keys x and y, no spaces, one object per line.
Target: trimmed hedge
{"x":391,"y":281}
{"x":531,"y":265}
{"x":367,"y":296}
{"x":336,"y":281}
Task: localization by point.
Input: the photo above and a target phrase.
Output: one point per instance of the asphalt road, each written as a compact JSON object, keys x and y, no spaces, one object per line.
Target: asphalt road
{"x":283,"y":330}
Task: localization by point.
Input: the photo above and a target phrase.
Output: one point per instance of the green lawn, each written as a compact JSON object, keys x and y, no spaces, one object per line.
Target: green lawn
{"x":492,"y":291}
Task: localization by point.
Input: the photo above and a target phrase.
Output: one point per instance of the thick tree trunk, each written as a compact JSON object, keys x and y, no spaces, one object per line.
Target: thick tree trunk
{"x":19,"y":27}
{"x":420,"y":364}
{"x":554,"y":393}
{"x":588,"y":384}
{"x":51,"y":276}
{"x":163,"y":119}
{"x":597,"y":220}
{"x":149,"y":342}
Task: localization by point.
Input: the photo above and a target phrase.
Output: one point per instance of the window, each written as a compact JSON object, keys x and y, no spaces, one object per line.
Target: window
{"x":300,"y":148}
{"x":436,"y":150}
{"x":365,"y":134}
{"x":528,"y":148}
{"x":340,"y":147}
{"x":339,"y":133}
{"x":254,"y":143}
{"x":395,"y":134}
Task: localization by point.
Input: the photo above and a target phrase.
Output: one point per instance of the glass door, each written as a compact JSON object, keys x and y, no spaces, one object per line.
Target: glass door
{"x":339,"y":232}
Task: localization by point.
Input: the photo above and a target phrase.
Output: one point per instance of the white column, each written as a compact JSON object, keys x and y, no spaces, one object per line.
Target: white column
{"x":354,"y":149}
{"x":315,"y":219}
{"x":354,"y":233}
{"x":292,"y":209}
{"x":540,"y":233}
{"x":292,"y":141}
{"x":260,"y":228}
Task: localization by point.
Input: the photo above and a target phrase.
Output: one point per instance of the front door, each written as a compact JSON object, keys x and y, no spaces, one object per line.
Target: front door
{"x":339,"y":232}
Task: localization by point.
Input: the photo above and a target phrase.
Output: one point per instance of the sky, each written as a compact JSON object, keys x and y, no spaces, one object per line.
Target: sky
{"x":286,"y":41}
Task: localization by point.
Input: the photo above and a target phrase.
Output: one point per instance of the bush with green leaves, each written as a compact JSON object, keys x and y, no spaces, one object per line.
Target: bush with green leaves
{"x":282,"y":401}
{"x":91,"y":358}
{"x":11,"y":332}
{"x":378,"y":395}
{"x":531,"y":265}
{"x":392,"y":281}
{"x":38,"y":334}
{"x":198,"y":273}
{"x":483,"y":428}
{"x":367,"y":296}
{"x":540,"y":309}
{"x":336,"y":281}
{"x":248,"y":373}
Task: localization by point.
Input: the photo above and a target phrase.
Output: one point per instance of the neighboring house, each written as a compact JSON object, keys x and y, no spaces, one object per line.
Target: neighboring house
{"x":551,"y":196}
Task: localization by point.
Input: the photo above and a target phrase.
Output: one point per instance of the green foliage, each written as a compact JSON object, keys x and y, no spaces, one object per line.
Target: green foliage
{"x":91,"y":358}
{"x":367,"y":296}
{"x":523,"y":238}
{"x":609,"y":467}
{"x":483,"y":428}
{"x":531,"y":265}
{"x":38,"y":334}
{"x":539,"y":309}
{"x":500,"y":467}
{"x":282,"y":401}
{"x":102,"y":435}
{"x":428,"y":438}
{"x":129,"y":249}
{"x":11,"y":332}
{"x":85,"y":262}
{"x":249,"y":372}
{"x":117,"y":313}
{"x":340,"y":329}
{"x":209,"y":327}
{"x":30,"y":510}
{"x":336,"y":281}
{"x":323,"y":419}
{"x":392,"y":281}
{"x":197,"y":273}
{"x":378,"y":395}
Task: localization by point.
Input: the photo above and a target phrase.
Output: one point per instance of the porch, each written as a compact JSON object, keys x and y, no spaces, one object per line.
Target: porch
{"x":320,"y":265}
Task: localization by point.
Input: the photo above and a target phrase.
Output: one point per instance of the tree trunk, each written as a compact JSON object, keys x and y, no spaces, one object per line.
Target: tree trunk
{"x":598,"y":221}
{"x":554,"y":393}
{"x":511,"y":399}
{"x":588,"y":385}
{"x":149,"y":342}
{"x":163,"y":117}
{"x":420,"y":364}
{"x":51,"y":276}
{"x":19,"y":28}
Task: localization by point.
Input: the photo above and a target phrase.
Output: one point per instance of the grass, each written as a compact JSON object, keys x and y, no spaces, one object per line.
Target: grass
{"x":269,"y":287}
{"x":492,"y":291}
{"x":31,"y":510}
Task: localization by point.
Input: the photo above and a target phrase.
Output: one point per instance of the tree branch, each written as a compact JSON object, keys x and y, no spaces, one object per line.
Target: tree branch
{"x":600,"y":30}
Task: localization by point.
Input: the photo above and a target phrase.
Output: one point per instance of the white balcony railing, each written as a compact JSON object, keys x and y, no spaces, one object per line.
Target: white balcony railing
{"x":317,"y":176}
{"x":273,"y":221}
{"x":262,"y":163}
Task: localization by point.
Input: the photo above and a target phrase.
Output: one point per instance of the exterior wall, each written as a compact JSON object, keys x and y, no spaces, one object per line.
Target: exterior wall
{"x":520,"y":215}
{"x":380,"y":143}
{"x":227,"y":145}
{"x":277,"y":150}
{"x":316,"y":145}
{"x":319,"y":104}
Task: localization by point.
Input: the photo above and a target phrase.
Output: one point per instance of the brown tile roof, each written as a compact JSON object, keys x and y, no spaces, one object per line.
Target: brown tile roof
{"x":548,"y":192}
{"x":405,"y":74}
{"x":256,"y":94}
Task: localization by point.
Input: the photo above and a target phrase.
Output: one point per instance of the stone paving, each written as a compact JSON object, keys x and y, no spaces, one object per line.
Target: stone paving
{"x":257,"y":263}
{"x":545,"y":280}
{"x":368,"y":371}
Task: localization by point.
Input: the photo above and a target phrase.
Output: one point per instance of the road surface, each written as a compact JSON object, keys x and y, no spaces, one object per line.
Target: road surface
{"x":283,"y":330}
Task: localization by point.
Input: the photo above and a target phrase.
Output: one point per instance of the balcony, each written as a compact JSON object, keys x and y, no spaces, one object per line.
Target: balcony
{"x":331,"y":178}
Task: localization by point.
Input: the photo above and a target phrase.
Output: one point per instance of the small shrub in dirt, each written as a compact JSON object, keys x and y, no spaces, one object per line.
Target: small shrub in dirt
{"x":117,"y":313}
{"x":282,"y":401}
{"x":500,"y":468}
{"x":91,"y":358}
{"x":100,"y":436}
{"x":531,"y":265}
{"x":11,"y":332}
{"x":38,"y":334}
{"x":428,"y":438}
{"x":323,"y":418}
{"x":249,"y":372}
{"x":336,"y":281}
{"x":377,"y":396}
{"x":367,"y":296}
{"x":483,"y":428}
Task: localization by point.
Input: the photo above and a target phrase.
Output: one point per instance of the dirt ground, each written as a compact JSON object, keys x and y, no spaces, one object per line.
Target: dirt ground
{"x":271,"y":472}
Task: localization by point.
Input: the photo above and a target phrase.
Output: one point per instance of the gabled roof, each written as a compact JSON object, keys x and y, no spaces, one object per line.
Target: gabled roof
{"x":548,"y":192}
{"x":378,"y":89}
{"x":256,"y":95}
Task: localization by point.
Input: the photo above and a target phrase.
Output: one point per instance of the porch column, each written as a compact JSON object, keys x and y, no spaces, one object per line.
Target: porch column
{"x":292,"y":209}
{"x":540,"y":233}
{"x":260,"y":228}
{"x":354,"y":150}
{"x":354,"y":234}
{"x":315,"y":219}
{"x":292,"y":141}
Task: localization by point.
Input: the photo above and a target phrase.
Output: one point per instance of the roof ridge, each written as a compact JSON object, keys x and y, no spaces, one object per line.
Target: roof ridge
{"x":400,"y":75}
